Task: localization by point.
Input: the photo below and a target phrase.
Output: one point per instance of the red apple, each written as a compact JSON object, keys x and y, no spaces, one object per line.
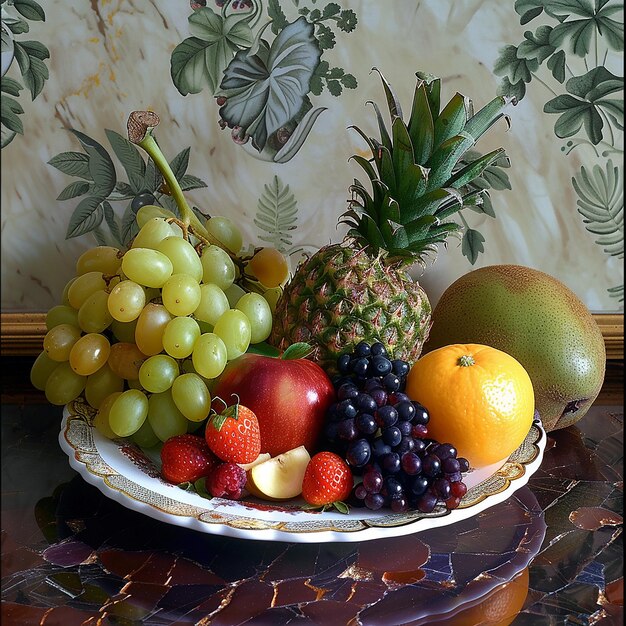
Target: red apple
{"x":289,"y":397}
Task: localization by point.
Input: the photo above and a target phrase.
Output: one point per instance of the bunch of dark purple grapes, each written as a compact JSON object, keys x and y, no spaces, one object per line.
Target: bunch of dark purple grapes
{"x":383,"y":436}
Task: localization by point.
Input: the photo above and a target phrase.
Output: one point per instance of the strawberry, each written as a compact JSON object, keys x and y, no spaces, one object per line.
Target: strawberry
{"x":327,"y":480}
{"x":186,"y":458}
{"x":233,"y":435}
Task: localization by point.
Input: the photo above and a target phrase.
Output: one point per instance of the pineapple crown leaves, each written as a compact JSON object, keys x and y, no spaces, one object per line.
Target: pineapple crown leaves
{"x":421,"y":172}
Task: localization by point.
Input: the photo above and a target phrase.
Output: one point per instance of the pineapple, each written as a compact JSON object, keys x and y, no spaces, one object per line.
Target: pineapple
{"x":421,"y":174}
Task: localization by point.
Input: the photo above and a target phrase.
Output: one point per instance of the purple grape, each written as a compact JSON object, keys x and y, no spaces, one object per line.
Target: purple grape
{"x":346,"y":409}
{"x":374,"y":501}
{"x":406,"y":410}
{"x":449,"y":465}
{"x":365,"y":403}
{"x":421,"y":414}
{"x":445,"y":451}
{"x":427,"y":502}
{"x":362,"y":349}
{"x":347,"y":391}
{"x":392,"y":487}
{"x":455,"y":477}
{"x":378,"y":349}
{"x":358,"y":453}
{"x":420,"y":485}
{"x":391,"y":382}
{"x":419,"y":431}
{"x":390,"y":462}
{"x":380,"y":448}
{"x":372,"y":481}
{"x":400,"y":368}
{"x":386,"y":416}
{"x":360,"y":492}
{"x":380,"y":365}
{"x":411,"y":463}
{"x":405,"y":428}
{"x":371,"y":384}
{"x":399,"y":505}
{"x":442,"y":488}
{"x":347,"y":430}
{"x":343,"y":363}
{"x":419,"y":446}
{"x":366,"y":424}
{"x":431,"y":465}
{"x":360,"y":367}
{"x":463,"y":463}
{"x":391,"y":436}
{"x":407,"y":444}
{"x":379,"y":395}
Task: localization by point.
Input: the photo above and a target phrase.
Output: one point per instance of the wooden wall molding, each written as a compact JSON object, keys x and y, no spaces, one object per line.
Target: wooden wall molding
{"x":23,"y":333}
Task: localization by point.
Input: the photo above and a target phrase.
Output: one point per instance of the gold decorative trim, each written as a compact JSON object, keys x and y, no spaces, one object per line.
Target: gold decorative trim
{"x":23,"y":333}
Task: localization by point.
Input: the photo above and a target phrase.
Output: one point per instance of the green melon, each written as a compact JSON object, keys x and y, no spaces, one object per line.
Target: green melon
{"x":536,"y":319}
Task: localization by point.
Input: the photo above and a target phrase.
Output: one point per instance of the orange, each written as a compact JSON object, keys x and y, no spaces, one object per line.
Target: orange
{"x":480,"y":400}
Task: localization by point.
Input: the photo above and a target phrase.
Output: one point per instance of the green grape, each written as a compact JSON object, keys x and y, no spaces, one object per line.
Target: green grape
{"x":157,"y":373}
{"x":179,"y":336}
{"x":101,"y":384}
{"x":205,"y":327}
{"x":105,"y":259}
{"x":183,"y":256}
{"x":150,"y":211}
{"x":164,"y":417}
{"x":213,"y":302}
{"x":124,"y":331}
{"x":145,"y":436}
{"x":209,"y":355}
{"x":272,"y":296}
{"x":181,"y":294}
{"x":89,"y":353}
{"x":233,"y":294}
{"x":193,"y":426}
{"x":150,"y":328}
{"x":257,"y":310}
{"x":65,"y":295}
{"x":225,"y":231}
{"x":234,"y":329}
{"x":192,"y":397}
{"x":187,"y":367}
{"x":58,"y":341}
{"x":93,"y":315}
{"x":128,"y":412}
{"x":147,"y":267}
{"x":64,"y":385}
{"x":126,"y":301}
{"x":152,"y":233}
{"x":217,"y":267}
{"x":41,"y":370}
{"x":125,"y":359}
{"x":84,"y":286}
{"x":134,"y":384}
{"x":61,"y":314}
{"x":101,"y":420}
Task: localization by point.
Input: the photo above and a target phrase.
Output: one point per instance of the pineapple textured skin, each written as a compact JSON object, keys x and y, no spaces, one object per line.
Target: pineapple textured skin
{"x":342,"y":295}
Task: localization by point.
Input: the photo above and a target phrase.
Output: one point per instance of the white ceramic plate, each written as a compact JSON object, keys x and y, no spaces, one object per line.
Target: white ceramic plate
{"x":130,"y":476}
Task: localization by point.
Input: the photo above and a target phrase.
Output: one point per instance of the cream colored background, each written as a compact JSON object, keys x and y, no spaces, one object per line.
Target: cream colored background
{"x":109,"y":57}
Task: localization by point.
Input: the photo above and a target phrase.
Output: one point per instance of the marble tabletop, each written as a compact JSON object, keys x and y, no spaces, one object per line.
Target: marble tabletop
{"x":550,"y":554}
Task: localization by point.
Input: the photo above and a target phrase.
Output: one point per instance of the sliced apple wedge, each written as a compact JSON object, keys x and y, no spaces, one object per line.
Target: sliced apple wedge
{"x":280,"y":477}
{"x":264,"y":456}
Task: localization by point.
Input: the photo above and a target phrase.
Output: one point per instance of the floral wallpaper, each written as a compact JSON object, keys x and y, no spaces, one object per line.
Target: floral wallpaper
{"x":258,"y":100}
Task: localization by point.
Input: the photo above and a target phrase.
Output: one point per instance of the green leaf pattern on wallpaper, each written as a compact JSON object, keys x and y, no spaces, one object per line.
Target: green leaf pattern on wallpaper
{"x":263,"y":71}
{"x":26,"y":57}
{"x":586,"y":97}
{"x":101,"y":186}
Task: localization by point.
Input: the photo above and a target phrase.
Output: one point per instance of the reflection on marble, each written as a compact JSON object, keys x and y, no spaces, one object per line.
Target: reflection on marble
{"x":550,"y":554}
{"x":110,"y":57}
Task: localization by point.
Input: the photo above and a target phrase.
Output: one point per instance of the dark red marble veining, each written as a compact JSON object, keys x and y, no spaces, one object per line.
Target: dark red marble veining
{"x":552,"y":553}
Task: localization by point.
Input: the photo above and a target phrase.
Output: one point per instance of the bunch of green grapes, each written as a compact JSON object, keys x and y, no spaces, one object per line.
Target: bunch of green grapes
{"x":143,"y":334}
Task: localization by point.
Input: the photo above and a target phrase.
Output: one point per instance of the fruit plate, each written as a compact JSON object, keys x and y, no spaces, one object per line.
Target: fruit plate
{"x":129,"y":475}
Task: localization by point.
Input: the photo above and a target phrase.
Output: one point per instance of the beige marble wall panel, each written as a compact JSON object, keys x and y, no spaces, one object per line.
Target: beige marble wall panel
{"x":111,"y":57}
